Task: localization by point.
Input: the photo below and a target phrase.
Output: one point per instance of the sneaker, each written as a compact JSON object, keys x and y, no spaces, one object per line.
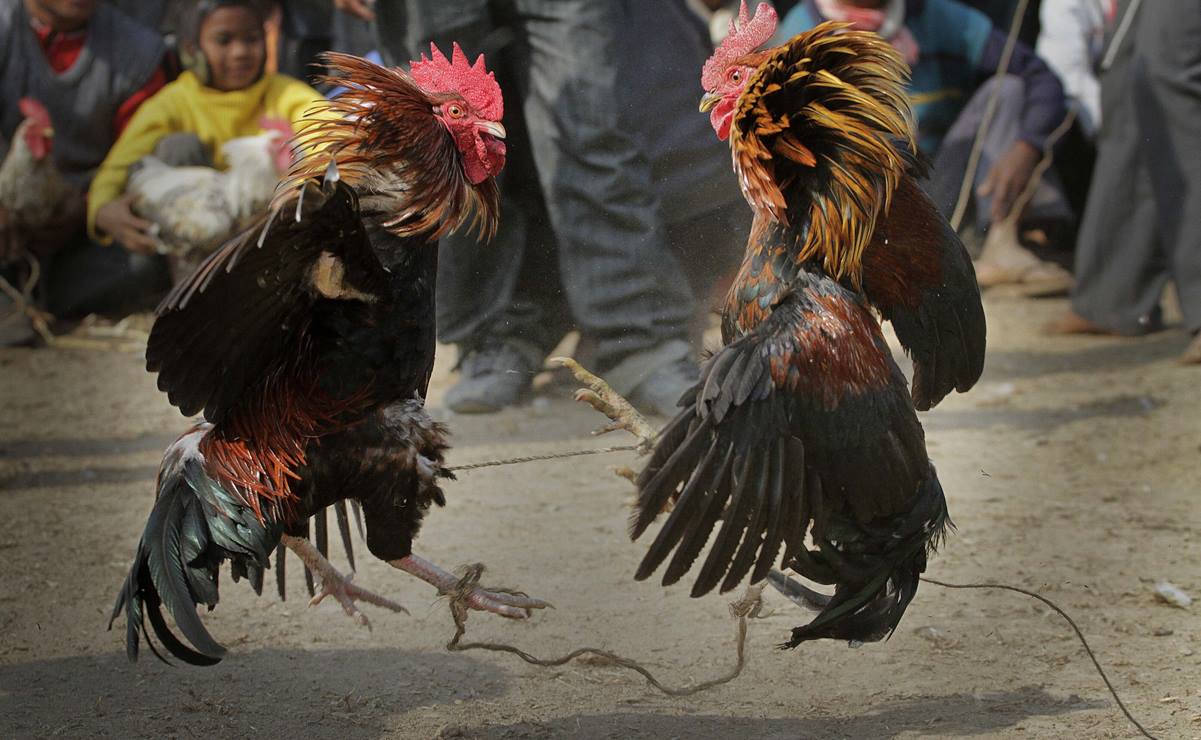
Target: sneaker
{"x":659,"y":393}
{"x":493,"y":377}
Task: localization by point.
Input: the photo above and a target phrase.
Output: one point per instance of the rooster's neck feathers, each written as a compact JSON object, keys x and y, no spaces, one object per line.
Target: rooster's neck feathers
{"x":386,"y":141}
{"x":821,"y":140}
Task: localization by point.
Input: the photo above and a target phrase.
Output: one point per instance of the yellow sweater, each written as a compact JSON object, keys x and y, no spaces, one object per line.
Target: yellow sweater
{"x":186,"y":106}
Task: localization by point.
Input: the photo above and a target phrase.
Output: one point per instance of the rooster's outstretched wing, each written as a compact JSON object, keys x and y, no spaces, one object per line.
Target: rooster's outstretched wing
{"x":920,"y":277}
{"x":801,"y":426}
{"x":244,"y":314}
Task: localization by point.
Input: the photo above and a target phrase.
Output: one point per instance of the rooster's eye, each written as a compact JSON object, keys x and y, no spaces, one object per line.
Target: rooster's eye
{"x":736,"y":75}
{"x":454,"y":111}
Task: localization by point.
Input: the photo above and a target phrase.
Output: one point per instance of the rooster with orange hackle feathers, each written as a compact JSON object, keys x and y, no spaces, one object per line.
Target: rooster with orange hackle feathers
{"x":800,"y":437}
{"x":308,"y":342}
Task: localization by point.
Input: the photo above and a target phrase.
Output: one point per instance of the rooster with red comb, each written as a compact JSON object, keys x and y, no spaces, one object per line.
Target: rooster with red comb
{"x":308,"y":342}
{"x":801,"y":437}
{"x":32,"y":190}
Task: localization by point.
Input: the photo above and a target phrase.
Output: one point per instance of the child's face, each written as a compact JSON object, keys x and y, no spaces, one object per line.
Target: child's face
{"x":234,"y":45}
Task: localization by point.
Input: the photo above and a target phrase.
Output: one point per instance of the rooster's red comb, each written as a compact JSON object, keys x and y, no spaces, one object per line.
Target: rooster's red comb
{"x":478,"y":86}
{"x":746,"y":34}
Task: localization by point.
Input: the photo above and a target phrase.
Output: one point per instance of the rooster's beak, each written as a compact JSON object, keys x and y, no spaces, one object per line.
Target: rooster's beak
{"x":493,"y":128}
{"x":708,"y":101}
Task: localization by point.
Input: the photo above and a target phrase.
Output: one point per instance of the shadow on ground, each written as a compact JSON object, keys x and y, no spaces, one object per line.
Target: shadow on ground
{"x":1041,"y":419}
{"x":84,"y":447}
{"x":344,"y":693}
{"x":954,"y":715}
{"x":1112,"y":354}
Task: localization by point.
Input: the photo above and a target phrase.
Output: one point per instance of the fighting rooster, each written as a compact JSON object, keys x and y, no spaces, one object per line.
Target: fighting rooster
{"x":308,"y":343}
{"x":802,"y":424}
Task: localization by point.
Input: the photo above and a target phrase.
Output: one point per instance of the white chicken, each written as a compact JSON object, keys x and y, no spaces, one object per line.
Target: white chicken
{"x":32,"y":190}
{"x":196,"y":209}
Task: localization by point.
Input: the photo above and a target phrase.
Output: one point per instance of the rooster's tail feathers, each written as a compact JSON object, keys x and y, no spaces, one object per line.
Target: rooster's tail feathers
{"x":195,"y":526}
{"x":875,"y":584}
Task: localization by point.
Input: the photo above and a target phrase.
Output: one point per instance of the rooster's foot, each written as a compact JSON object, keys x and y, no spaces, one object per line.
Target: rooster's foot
{"x":600,"y":396}
{"x":468,"y":592}
{"x":334,"y":584}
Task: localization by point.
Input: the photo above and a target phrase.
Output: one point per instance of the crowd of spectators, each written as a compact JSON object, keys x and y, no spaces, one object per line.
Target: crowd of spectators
{"x":621,"y":217}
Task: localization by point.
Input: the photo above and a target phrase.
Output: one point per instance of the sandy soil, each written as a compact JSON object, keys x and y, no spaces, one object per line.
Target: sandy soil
{"x":1071,"y":469}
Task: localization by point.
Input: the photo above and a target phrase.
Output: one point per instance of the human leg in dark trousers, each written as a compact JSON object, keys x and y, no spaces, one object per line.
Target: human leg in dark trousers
{"x":620,"y":278}
{"x":1167,"y":105}
{"x":307,"y":30}
{"x":626,"y":289}
{"x":502,"y":303}
{"x":1120,"y":267}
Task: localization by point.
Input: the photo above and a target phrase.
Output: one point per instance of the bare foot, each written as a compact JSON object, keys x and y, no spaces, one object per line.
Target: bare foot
{"x":1073,"y":323}
{"x":509,"y":604}
{"x":334,"y":584}
{"x":1004,"y":261}
{"x":1192,"y":353}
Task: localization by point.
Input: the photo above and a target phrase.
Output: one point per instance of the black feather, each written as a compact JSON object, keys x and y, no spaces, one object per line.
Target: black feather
{"x":281,"y":571}
{"x":779,"y":457}
{"x":344,"y":530}
{"x":735,"y":520}
{"x":321,"y":533}
{"x":775,"y":515}
{"x":193,"y":527}
{"x":674,"y":529}
{"x":657,"y":486}
{"x":705,"y":515}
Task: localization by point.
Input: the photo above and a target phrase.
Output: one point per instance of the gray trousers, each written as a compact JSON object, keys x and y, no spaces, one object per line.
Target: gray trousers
{"x":601,"y":217}
{"x":950,"y":163}
{"x":1142,"y":225}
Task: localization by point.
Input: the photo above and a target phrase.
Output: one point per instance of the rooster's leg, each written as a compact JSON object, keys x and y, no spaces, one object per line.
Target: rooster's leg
{"x":604,"y":399}
{"x":511,"y":605}
{"x":334,"y":584}
{"x":797,"y":592}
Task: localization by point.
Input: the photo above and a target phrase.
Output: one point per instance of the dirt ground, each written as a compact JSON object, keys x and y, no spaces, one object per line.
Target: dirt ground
{"x":1071,"y":469}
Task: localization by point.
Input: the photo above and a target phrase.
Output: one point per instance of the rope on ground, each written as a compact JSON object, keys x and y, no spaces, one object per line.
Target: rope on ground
{"x":122,"y":339}
{"x":748,"y":607}
{"x":990,"y":110}
{"x":1092,"y":656}
{"x":538,"y":458}
{"x":23,"y":299}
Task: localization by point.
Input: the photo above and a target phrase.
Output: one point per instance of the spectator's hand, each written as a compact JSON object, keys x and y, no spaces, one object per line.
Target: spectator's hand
{"x":116,"y":219}
{"x":1008,"y":178}
{"x":358,"y":8}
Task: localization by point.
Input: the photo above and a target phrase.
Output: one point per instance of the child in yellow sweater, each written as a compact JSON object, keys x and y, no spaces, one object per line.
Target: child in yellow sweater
{"x":223,"y":95}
